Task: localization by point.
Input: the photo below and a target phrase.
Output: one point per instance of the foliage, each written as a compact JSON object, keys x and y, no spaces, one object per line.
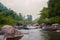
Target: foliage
{"x":51,"y":14}
{"x":44,"y":16}
{"x":41,"y":21}
{"x":8,"y":16}
{"x":44,"y":13}
{"x":20,"y":18}
{"x":9,"y":19}
{"x":54,"y":20}
{"x":29,"y":18}
{"x":6,"y":20}
{"x":54,"y":7}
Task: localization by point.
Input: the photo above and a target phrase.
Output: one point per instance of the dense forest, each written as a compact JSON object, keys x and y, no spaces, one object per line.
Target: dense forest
{"x":8,"y":16}
{"x":50,"y":14}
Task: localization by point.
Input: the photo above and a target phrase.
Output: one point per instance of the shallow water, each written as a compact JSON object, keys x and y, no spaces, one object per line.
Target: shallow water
{"x":33,"y":34}
{"x":37,"y":34}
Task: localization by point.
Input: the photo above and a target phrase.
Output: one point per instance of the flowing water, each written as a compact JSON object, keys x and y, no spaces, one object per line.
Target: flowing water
{"x":37,"y":34}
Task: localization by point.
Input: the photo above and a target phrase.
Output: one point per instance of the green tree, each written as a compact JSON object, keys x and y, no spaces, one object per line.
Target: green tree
{"x":6,"y":20}
{"x":51,"y":14}
{"x":44,"y":15}
{"x":54,"y":7}
{"x":54,"y":11}
{"x":20,"y":17}
{"x":29,"y":18}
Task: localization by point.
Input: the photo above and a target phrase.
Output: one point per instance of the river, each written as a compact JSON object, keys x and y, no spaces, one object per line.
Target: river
{"x":37,"y":34}
{"x":33,"y":34}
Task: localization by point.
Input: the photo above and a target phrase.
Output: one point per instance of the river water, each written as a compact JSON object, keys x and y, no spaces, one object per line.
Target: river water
{"x":33,"y":34}
{"x":37,"y":34}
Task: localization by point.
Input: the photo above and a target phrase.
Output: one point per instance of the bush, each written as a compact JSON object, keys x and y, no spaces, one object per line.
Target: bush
{"x":54,"y":20}
{"x":6,"y":20}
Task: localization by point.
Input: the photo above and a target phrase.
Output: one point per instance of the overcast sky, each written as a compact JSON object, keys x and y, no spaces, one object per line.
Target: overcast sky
{"x":26,"y":7}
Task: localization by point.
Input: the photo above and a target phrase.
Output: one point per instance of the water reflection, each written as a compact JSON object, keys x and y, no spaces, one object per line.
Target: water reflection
{"x":34,"y":34}
{"x":52,"y":35}
{"x":37,"y":34}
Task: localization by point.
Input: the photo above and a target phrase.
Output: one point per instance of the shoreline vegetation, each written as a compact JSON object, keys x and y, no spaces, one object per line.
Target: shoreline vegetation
{"x":10,"y":17}
{"x":49,"y":15}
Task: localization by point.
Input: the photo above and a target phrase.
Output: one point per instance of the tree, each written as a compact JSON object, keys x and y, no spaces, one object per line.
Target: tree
{"x":29,"y":18}
{"x":54,"y":7}
{"x":44,"y":15}
{"x":20,"y":17}
{"x":8,"y":16}
{"x":4,"y":20}
{"x":54,"y":11}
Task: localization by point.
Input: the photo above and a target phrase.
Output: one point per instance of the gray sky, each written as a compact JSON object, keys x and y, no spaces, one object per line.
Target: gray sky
{"x":31,"y":7}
